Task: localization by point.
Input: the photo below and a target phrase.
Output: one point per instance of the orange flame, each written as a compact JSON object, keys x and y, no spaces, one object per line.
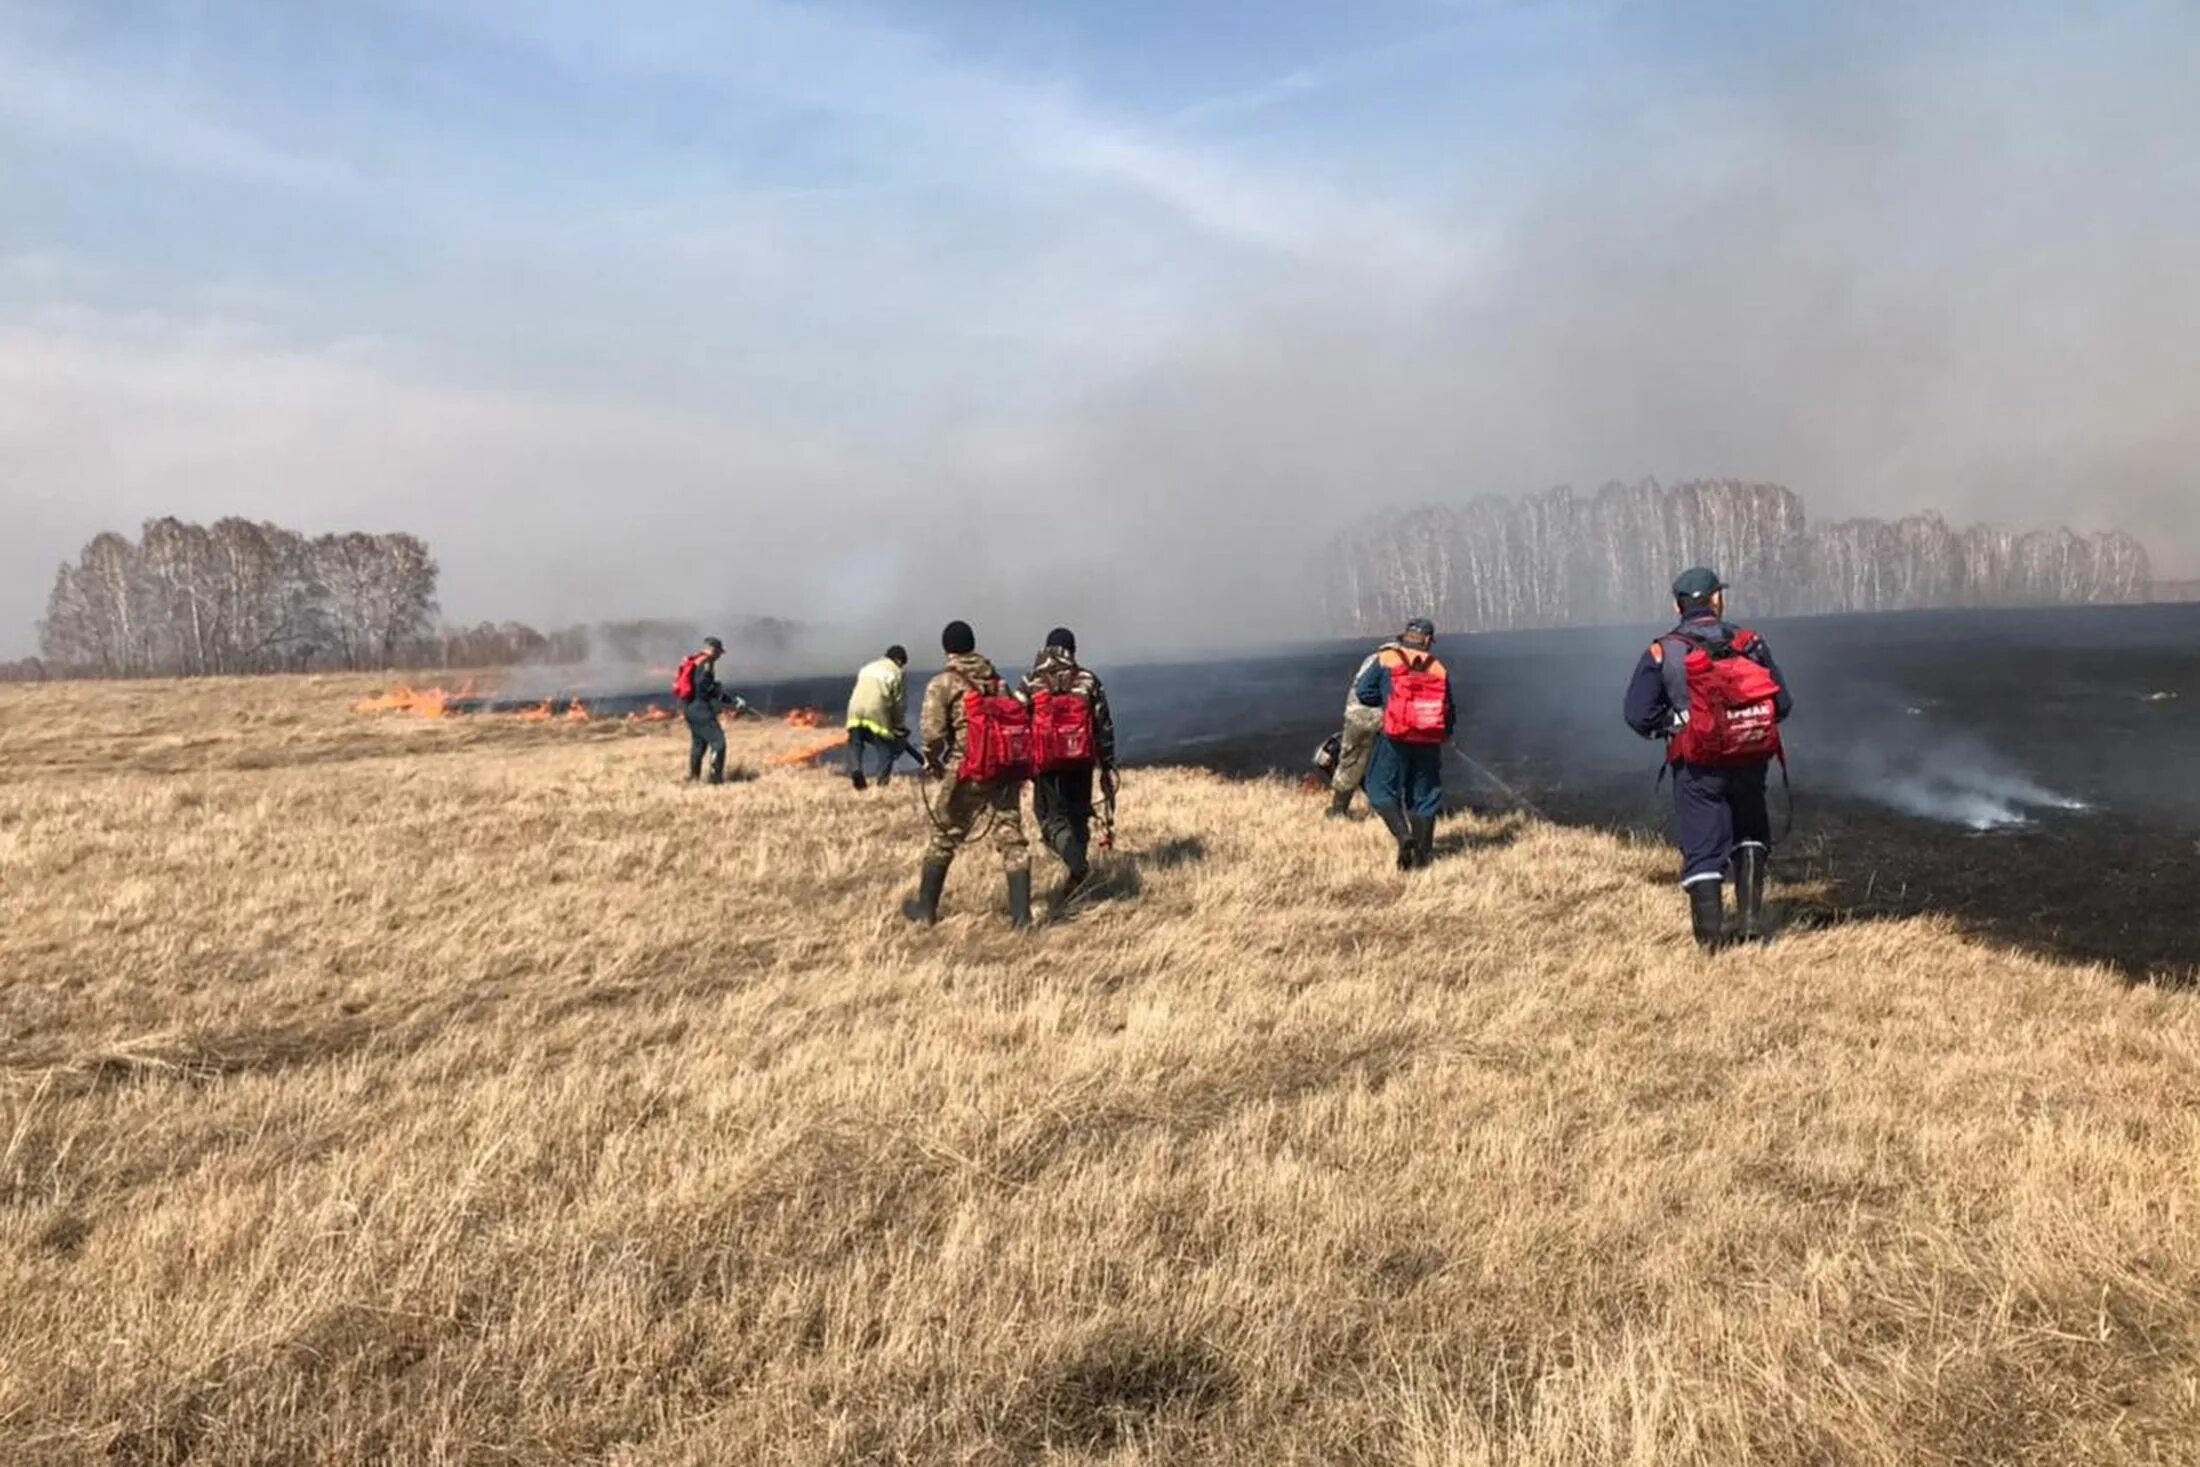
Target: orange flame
{"x":540,"y":713}
{"x":808,"y":754}
{"x":395,"y":700}
{"x":577,"y":712}
{"x":423,"y":703}
{"x":806,"y":718}
{"x":651,"y":715}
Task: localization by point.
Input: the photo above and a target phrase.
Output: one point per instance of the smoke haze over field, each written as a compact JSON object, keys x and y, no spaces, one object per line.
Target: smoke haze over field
{"x":1109,"y":319}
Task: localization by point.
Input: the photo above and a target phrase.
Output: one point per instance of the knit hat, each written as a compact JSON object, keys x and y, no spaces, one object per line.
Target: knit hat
{"x":1063,"y":638}
{"x":958,"y":640}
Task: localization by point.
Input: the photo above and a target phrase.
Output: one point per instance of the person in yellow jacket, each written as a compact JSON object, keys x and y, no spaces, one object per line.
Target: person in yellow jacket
{"x":878,"y":716}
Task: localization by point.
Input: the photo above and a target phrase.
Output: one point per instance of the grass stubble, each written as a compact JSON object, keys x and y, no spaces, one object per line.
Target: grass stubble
{"x":475,"y":1092}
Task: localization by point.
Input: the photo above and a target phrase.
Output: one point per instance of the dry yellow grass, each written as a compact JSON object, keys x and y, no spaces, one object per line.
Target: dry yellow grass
{"x":474,"y":1092}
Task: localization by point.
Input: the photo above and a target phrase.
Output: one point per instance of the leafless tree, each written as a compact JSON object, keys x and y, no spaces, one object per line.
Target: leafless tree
{"x":240,"y":597}
{"x":1555,"y":559}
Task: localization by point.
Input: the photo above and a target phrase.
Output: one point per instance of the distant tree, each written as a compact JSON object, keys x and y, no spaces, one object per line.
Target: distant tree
{"x":489,"y":644}
{"x":269,"y":593}
{"x":96,"y":614}
{"x":245,"y":596}
{"x":183,"y":600}
{"x":1555,"y":559}
{"x":238,"y":598}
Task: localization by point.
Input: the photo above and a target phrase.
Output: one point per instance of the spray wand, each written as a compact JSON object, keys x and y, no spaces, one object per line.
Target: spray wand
{"x":1477,"y":767}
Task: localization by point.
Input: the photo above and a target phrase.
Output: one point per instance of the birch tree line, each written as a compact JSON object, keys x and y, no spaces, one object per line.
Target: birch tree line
{"x":237,"y":597}
{"x":242,"y":596}
{"x":1563,"y":559}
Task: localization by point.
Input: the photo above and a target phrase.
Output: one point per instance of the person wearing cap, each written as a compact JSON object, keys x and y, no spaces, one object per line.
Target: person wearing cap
{"x":1061,"y":798}
{"x":878,"y":716}
{"x":1721,"y":820}
{"x":705,"y":696}
{"x":1405,"y":777}
{"x":945,"y":734}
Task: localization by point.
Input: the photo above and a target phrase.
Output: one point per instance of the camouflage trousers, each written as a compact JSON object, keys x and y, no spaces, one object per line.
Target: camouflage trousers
{"x":1356,"y":748}
{"x":961,"y":808}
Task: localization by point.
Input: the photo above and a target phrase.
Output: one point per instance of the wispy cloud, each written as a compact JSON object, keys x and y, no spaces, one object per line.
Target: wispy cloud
{"x":1304,"y":221}
{"x":138,"y":117}
{"x":941,"y":113}
{"x":1276,"y":92}
{"x":881,"y":211}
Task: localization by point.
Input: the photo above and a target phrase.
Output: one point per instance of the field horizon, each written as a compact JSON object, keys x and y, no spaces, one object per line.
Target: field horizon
{"x":377,"y":1088}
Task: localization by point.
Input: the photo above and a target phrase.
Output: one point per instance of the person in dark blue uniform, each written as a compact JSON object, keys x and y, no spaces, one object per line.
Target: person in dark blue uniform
{"x":1405,"y":779}
{"x":705,"y":736}
{"x":1721,"y":821}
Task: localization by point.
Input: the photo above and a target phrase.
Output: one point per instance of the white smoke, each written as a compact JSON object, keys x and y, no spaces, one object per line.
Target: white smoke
{"x":1976,"y":800}
{"x":1944,"y":775}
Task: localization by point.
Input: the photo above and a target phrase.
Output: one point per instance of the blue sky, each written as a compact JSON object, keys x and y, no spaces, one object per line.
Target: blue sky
{"x":835,"y":214}
{"x":554,"y":282}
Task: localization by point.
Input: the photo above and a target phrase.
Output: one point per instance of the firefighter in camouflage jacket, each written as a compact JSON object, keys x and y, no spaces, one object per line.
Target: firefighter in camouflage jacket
{"x":1061,"y":800}
{"x":961,"y":804}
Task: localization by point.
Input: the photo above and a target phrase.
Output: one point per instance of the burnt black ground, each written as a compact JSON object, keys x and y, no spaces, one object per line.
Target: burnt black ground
{"x":2099,"y":705}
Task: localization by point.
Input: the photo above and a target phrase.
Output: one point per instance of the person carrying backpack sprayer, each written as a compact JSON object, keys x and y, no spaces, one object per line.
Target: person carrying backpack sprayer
{"x":1405,"y":778}
{"x":1072,"y":736}
{"x":697,"y":690}
{"x":977,"y":739}
{"x":1713,"y":692}
{"x":878,"y":716}
{"x":1355,"y":744}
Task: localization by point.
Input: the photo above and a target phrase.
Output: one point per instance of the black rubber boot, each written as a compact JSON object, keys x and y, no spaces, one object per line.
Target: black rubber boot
{"x":1749,"y":893}
{"x":1707,"y":911}
{"x":1395,"y":822}
{"x":1019,"y":899}
{"x":855,"y":776}
{"x":1070,"y":846}
{"x":1424,"y":840}
{"x":1340,"y":804}
{"x":924,"y":907}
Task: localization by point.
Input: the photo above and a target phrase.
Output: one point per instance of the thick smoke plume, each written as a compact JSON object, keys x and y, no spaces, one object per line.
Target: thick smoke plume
{"x":1908,"y":259}
{"x":636,"y":658}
